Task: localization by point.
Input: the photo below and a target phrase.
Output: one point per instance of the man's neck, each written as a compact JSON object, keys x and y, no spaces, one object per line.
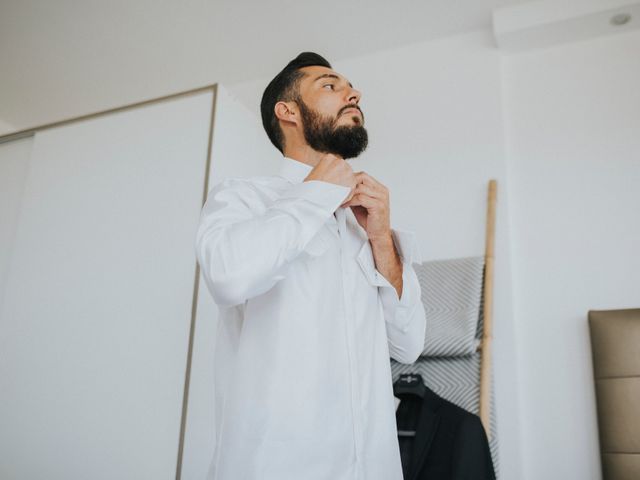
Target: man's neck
{"x":304,"y":154}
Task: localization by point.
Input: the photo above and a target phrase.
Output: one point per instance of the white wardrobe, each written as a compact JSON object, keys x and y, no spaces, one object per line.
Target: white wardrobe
{"x":106,"y":329}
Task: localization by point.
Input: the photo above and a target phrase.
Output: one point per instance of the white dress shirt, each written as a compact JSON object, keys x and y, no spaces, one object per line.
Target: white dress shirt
{"x":306,"y":327}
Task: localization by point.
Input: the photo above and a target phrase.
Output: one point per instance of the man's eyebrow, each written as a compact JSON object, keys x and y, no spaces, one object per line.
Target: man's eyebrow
{"x":330,"y":75}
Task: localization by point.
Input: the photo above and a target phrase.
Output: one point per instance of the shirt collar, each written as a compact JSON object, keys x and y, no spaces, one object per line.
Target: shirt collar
{"x":294,"y":170}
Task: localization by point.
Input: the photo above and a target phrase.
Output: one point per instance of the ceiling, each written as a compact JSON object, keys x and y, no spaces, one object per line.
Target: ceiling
{"x":67,"y":58}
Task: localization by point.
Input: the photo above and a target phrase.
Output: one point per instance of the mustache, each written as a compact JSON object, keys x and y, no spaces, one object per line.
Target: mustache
{"x":347,"y":107}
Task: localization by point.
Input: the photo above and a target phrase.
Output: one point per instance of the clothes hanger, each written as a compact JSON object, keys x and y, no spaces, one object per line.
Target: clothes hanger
{"x":409,"y":384}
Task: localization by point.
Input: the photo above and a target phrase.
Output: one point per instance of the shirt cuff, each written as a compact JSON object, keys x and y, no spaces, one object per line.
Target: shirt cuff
{"x":407,"y":247}
{"x":316,"y":201}
{"x":326,"y":195}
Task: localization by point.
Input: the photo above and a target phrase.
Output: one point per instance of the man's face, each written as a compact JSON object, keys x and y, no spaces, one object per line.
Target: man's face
{"x":332,"y":121}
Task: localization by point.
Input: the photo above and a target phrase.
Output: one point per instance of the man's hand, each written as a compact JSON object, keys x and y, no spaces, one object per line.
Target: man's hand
{"x":333,"y":169}
{"x":370,"y":205}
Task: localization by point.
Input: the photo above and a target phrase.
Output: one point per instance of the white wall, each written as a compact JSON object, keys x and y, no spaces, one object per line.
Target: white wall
{"x":5,"y":127}
{"x":434,"y":115}
{"x":573,"y":116}
{"x":14,"y":166}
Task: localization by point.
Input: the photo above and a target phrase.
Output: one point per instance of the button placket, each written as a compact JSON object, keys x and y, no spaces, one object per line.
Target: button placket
{"x":340,"y":215}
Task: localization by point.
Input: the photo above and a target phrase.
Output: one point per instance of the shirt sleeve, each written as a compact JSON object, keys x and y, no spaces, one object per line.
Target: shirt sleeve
{"x":404,"y":317}
{"x":244,"y":248}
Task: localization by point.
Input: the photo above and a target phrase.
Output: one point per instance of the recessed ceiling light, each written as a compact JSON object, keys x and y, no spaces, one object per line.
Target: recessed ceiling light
{"x":620,"y":19}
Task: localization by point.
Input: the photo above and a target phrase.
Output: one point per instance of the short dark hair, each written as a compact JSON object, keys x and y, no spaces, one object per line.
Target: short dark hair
{"x":284,"y":87}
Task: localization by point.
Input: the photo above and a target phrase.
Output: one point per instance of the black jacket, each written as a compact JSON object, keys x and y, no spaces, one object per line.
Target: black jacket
{"x":450,"y":443}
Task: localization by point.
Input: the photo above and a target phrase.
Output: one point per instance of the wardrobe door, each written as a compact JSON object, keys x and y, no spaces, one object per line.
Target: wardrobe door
{"x":95,"y":321}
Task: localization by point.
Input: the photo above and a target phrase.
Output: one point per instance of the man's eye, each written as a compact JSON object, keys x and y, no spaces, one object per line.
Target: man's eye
{"x":330,"y":85}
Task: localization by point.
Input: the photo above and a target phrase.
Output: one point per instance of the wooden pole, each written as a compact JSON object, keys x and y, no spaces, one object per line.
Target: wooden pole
{"x":487,"y":330}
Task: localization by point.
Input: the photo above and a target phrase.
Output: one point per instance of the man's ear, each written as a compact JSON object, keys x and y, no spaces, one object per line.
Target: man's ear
{"x":286,"y":111}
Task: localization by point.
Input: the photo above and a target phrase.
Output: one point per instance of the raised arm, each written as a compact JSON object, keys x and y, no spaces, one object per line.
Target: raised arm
{"x":244,"y":248}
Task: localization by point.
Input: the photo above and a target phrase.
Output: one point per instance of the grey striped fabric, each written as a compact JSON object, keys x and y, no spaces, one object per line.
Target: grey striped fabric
{"x":451,"y":295}
{"x":450,"y":364}
{"x":456,"y":379}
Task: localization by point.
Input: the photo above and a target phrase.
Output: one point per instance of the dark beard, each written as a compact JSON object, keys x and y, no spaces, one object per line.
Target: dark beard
{"x":323,"y":135}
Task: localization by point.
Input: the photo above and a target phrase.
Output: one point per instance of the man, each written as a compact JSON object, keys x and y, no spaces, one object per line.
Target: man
{"x":315,"y":292}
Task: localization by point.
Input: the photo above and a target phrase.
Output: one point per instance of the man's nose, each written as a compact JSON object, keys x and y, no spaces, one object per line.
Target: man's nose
{"x":354,"y":96}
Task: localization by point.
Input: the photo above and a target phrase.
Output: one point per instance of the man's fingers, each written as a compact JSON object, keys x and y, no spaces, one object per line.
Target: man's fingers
{"x":369,"y":190}
{"x":366,"y":179}
{"x":363,"y":200}
{"x":348,"y":198}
